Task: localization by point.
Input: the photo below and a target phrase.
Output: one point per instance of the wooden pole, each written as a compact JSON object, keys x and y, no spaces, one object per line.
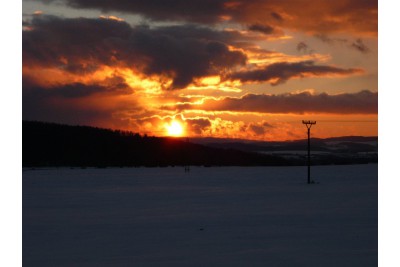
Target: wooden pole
{"x":308,"y":125}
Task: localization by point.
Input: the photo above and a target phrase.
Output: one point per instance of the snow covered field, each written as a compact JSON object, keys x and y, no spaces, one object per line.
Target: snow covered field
{"x":219,"y":216}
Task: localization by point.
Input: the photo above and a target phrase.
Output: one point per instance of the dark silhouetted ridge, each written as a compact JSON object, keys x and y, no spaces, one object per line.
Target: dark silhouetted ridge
{"x":50,"y":144}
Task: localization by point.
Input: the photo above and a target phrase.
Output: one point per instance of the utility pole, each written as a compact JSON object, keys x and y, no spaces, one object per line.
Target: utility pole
{"x":308,"y":125}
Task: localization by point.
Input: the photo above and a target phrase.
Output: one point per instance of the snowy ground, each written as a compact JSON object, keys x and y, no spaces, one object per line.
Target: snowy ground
{"x":227,"y":216}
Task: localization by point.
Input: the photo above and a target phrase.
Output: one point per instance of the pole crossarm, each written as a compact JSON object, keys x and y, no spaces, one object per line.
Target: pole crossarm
{"x":309,"y":123}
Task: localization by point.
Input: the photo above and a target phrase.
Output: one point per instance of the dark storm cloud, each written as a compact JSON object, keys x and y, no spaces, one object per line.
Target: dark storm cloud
{"x":363,"y":102}
{"x":83,"y":45}
{"x":256,"y":129}
{"x":360,"y":46}
{"x":265,"y":29}
{"x":76,"y":45}
{"x":259,"y":128}
{"x":39,"y":104}
{"x":74,"y":90}
{"x":198,"y":125}
{"x":326,"y":39}
{"x":350,"y":15}
{"x":161,"y":10}
{"x":304,"y":48}
{"x":278,"y":73}
{"x":111,"y":86}
{"x":185,"y":58}
{"x":34,"y":109}
{"x":66,"y":103}
{"x":276,"y":16}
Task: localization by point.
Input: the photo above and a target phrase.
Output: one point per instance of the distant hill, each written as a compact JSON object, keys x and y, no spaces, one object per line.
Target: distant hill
{"x":335,"y":150}
{"x":50,"y":144}
{"x":355,"y":143}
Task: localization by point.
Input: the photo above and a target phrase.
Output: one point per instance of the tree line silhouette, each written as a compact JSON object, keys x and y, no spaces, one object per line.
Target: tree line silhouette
{"x":51,"y":144}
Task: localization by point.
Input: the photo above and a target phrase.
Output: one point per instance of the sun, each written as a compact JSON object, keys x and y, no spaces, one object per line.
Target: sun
{"x":174,"y":129}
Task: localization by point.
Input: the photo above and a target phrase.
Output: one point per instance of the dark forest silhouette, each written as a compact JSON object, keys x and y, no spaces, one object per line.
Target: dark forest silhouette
{"x":50,"y":144}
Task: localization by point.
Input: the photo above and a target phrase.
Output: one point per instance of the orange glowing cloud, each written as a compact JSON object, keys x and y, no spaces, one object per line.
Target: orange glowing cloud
{"x":191,"y":80}
{"x":278,"y":73}
{"x":363,"y":102}
{"x":111,"y":18}
{"x":270,"y":127}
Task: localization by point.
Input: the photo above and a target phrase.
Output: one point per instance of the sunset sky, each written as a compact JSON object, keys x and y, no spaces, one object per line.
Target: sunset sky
{"x":204,"y":68}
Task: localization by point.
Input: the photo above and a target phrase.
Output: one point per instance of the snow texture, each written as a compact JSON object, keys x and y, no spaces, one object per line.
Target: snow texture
{"x":218,"y":216}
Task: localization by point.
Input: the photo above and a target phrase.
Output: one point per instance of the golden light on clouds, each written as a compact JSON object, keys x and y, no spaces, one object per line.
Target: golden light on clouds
{"x":210,"y":80}
{"x":242,"y":71}
{"x":111,"y":18}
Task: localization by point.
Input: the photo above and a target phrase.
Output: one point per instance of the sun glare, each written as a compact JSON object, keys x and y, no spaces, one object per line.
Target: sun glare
{"x":174,"y":129}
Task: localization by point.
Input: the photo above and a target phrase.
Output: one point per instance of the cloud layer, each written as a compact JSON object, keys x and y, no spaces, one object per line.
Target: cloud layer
{"x":363,"y":102}
{"x":191,"y":61}
{"x":278,"y":73}
{"x":179,"y":54}
{"x":321,"y":16}
{"x":82,"y":46}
